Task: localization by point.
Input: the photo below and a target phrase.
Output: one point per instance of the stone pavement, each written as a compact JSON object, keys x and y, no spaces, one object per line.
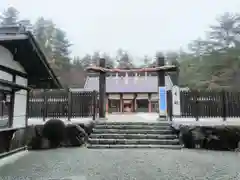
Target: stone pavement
{"x":125,"y":164}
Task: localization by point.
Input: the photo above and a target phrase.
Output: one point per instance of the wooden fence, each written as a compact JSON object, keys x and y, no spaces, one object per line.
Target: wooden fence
{"x":62,"y":103}
{"x":202,"y":104}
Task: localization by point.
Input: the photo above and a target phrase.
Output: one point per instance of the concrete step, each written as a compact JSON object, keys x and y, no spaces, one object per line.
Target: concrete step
{"x":160,"y":123}
{"x":124,"y":146}
{"x":132,"y":131}
{"x":135,"y":141}
{"x":133,"y":136}
{"x":131,"y":126}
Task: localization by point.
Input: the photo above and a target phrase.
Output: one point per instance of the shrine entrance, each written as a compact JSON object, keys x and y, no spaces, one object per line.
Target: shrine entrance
{"x":128,"y":105}
{"x":132,"y":104}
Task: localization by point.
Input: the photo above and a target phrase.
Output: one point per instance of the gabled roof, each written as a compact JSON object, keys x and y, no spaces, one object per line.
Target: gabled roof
{"x":28,"y":54}
{"x":141,"y":84}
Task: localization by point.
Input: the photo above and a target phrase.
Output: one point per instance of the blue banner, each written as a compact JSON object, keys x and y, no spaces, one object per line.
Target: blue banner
{"x":162,"y":99}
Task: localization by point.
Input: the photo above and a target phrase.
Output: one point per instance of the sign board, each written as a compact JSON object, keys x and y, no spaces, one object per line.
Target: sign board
{"x":176,"y":106}
{"x":162,"y":101}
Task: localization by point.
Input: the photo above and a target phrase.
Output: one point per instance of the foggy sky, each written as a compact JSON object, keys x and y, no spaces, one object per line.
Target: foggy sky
{"x":139,"y":26}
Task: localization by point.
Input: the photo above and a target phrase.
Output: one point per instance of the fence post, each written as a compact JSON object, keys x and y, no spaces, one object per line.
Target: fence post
{"x":169,"y":105}
{"x":69,"y":105}
{"x":196,"y":106}
{"x":94,"y":104}
{"x":224,"y":110}
{"x":45,"y":102}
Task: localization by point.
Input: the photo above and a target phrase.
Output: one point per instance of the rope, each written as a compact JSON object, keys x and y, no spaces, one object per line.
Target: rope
{"x":163,"y":68}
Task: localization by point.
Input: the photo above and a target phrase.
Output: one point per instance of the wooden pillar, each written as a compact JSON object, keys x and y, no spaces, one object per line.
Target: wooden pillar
{"x":161,"y":84}
{"x":134,"y":103}
{"x":149,"y":103}
{"x":70,"y":105}
{"x":102,"y":90}
{"x":107,"y":103}
{"x":121,"y":103}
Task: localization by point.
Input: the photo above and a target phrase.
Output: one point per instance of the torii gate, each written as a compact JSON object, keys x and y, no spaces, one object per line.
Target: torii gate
{"x":160,"y":69}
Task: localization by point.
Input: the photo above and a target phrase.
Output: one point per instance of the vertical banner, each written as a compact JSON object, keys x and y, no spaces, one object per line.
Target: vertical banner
{"x":162,"y":101}
{"x":176,"y":106}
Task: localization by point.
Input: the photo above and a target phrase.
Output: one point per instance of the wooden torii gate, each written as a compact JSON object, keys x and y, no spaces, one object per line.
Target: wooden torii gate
{"x":160,"y":69}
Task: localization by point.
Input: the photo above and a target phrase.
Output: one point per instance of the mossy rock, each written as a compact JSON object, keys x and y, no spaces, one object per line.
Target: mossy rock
{"x":75,"y":135}
{"x":88,"y":127}
{"x":54,"y":131}
{"x":186,"y":137}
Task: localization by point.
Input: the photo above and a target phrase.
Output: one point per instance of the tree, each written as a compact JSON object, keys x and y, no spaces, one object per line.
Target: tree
{"x":124,"y":59}
{"x":86,"y":61}
{"x":9,"y":16}
{"x":225,"y":33}
{"x":60,"y":48}
{"x":95,"y":58}
{"x":146,"y":61}
{"x":171,"y":57}
{"x":109,"y":61}
{"x":77,"y":62}
{"x":44,"y":31}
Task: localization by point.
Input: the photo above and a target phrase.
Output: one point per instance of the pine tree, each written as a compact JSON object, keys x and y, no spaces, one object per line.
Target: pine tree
{"x":44,"y":31}
{"x":60,"y":48}
{"x":9,"y":16}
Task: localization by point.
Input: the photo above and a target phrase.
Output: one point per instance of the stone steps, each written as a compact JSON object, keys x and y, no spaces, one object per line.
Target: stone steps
{"x":133,"y":135}
{"x":132,"y":126}
{"x":135,"y":141}
{"x":132,"y":131}
{"x":160,"y":123}
{"x":124,"y":146}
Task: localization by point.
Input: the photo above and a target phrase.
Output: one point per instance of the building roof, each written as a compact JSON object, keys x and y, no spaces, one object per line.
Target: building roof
{"x":141,"y":84}
{"x":28,"y":54}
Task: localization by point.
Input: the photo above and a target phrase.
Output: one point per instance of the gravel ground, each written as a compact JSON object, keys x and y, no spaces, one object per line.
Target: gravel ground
{"x":124,"y":164}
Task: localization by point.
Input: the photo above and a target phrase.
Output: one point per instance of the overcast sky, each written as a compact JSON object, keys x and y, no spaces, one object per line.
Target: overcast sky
{"x":139,"y":26}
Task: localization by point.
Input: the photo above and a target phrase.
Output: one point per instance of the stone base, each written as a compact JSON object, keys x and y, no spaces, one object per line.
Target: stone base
{"x":162,"y":118}
{"x":102,"y":119}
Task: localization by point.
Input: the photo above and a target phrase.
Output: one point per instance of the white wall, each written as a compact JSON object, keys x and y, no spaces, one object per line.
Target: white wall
{"x":6,"y":59}
{"x":19,"y":115}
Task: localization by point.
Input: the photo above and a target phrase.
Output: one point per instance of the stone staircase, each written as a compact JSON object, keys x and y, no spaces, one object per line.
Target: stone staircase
{"x":133,"y":135}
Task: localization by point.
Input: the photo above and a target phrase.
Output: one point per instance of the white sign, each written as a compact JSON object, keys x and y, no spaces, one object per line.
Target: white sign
{"x":176,"y":106}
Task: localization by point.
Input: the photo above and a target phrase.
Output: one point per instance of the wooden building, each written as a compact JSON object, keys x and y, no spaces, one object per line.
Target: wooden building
{"x":125,"y":92}
{"x":22,"y":66}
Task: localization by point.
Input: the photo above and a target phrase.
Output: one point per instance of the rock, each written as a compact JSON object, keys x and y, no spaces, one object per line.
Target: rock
{"x":18,"y":139}
{"x":75,"y":135}
{"x":5,"y":140}
{"x":54,"y":131}
{"x":198,"y":137}
{"x":88,"y":127}
{"x":186,"y":137}
{"x":45,"y":143}
{"x":213,"y":138}
{"x":35,"y":143}
{"x":34,"y":136}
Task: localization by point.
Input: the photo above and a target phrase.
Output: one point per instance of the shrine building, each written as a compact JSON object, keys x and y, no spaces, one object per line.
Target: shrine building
{"x":130,"y":92}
